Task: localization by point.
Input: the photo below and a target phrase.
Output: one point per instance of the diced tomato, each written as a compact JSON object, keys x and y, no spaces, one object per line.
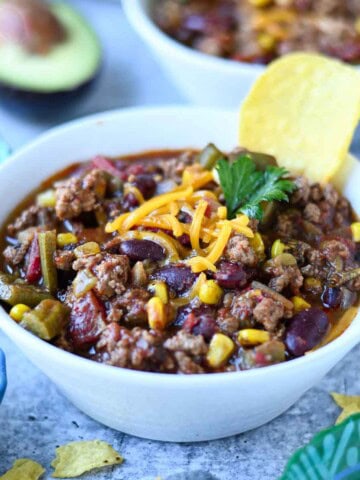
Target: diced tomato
{"x":33,"y":272}
{"x":107,"y":165}
{"x":135,"y":169}
{"x":87,"y":320}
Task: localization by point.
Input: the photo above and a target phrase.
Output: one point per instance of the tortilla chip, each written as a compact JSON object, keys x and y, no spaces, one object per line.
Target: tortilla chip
{"x":76,"y":458}
{"x":349,"y":403}
{"x":22,"y":469}
{"x":303,"y":110}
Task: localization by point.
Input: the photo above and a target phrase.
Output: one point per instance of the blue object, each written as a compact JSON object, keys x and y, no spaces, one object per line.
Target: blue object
{"x":332,"y":454}
{"x":5,"y":150}
{"x":3,"y":381}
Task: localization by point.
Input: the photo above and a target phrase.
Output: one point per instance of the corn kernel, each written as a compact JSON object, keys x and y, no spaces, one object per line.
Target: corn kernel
{"x":266,"y":41}
{"x":220,"y":349}
{"x":156,"y":313}
{"x":195,"y":289}
{"x":300,"y":304}
{"x":260,"y":3}
{"x":64,"y":239}
{"x":355,"y":229}
{"x":89,"y":248}
{"x":17,"y":311}
{"x":252,"y":336}
{"x":210,"y":292}
{"x":277,"y":248}
{"x":46,"y":199}
{"x":160,"y":290}
{"x":258,"y":245}
{"x":222,"y":213}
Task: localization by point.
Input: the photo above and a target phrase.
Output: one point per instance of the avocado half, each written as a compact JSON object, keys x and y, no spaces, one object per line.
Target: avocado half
{"x":40,"y":84}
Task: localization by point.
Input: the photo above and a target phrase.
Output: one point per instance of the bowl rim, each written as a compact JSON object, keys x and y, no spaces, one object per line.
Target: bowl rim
{"x":148,"y":29}
{"x":346,"y":341}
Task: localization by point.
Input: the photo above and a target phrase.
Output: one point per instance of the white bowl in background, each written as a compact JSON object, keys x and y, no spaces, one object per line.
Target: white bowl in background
{"x":204,"y":79}
{"x":158,"y":406}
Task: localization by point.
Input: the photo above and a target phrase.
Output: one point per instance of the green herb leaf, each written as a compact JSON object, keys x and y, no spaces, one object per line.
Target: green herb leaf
{"x":245,"y":187}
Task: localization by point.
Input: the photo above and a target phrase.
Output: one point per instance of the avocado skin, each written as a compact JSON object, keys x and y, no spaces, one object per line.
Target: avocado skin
{"x":38,"y":105}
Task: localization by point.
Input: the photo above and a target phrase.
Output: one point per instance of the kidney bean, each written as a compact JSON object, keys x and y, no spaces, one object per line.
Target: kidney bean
{"x":178,"y":277}
{"x":184,"y":217}
{"x":305,"y":331}
{"x":146,"y":184}
{"x":200,"y":322}
{"x":185,"y":311}
{"x":87,"y":320}
{"x":331,"y":297}
{"x":184,"y":239}
{"x":142,"y":250}
{"x":182,"y":314}
{"x":130,"y":202}
{"x":231,"y":275}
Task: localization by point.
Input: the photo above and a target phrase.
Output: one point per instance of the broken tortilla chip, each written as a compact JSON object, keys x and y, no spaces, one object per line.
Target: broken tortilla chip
{"x":76,"y":458}
{"x":304,"y":110}
{"x":22,"y":469}
{"x":349,"y":403}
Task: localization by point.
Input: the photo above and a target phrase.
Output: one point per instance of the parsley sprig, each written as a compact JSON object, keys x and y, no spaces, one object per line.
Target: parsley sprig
{"x":245,"y":187}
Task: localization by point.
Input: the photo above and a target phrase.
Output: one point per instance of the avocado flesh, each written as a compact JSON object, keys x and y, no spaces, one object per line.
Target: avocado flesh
{"x":66,"y":67}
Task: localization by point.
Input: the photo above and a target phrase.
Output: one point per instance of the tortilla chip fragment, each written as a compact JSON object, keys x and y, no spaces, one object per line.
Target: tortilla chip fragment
{"x":24,"y":469}
{"x":76,"y":458}
{"x":349,"y":403}
{"x":303,"y":110}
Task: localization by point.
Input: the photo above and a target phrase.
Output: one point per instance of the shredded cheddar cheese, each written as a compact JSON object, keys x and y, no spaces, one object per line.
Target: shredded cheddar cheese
{"x":205,"y":194}
{"x":176,"y":226}
{"x":220,"y":243}
{"x":154,"y":203}
{"x":117,"y":224}
{"x":174,"y":208}
{"x":207,"y":234}
{"x":199,"y":264}
{"x":196,"y":225}
{"x":130,"y":189}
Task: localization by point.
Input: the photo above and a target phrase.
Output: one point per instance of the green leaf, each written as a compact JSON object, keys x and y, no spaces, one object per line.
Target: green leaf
{"x":245,"y":187}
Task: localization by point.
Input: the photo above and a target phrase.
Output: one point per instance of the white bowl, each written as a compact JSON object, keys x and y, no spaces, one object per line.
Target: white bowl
{"x":152,"y":405}
{"x":204,"y":79}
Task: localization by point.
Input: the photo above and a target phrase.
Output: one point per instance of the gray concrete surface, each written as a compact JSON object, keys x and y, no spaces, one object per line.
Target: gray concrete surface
{"x":35,"y":417}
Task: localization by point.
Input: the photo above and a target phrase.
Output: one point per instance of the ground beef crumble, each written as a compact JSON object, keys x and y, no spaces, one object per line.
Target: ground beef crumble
{"x":130,"y":307}
{"x":14,"y":255}
{"x":78,"y":195}
{"x":284,"y":276}
{"x":112,"y":272}
{"x":239,"y":250}
{"x":139,"y":349}
{"x":33,"y":216}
